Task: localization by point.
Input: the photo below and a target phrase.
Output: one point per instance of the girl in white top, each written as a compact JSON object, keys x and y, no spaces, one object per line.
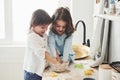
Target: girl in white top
{"x":36,"y":50}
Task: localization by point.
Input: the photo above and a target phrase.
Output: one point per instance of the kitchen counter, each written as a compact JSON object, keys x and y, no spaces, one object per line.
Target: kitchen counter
{"x":73,"y":72}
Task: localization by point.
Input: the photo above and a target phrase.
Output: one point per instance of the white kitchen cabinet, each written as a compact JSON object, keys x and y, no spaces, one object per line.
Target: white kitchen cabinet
{"x":114,"y":47}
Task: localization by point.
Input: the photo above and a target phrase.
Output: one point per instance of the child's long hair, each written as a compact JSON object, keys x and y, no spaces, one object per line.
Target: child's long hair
{"x":40,"y":17}
{"x":63,"y":14}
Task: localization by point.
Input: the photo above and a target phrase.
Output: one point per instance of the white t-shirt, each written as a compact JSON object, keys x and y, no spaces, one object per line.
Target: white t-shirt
{"x":34,"y":60}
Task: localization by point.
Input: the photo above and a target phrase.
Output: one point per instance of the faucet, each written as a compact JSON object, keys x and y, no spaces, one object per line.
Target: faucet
{"x":84,"y":33}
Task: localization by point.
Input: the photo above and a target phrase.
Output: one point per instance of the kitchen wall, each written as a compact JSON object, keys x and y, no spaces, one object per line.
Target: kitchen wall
{"x":11,"y":62}
{"x":82,"y":10}
{"x":11,"y":57}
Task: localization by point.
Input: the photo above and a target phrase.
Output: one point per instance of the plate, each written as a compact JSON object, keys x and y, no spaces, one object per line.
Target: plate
{"x":81,"y":51}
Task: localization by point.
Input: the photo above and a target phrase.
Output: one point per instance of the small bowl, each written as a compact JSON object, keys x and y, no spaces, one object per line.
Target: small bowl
{"x":88,"y":79}
{"x":61,"y":68}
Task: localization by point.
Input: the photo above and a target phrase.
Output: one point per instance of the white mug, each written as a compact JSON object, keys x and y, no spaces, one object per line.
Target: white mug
{"x":105,"y":72}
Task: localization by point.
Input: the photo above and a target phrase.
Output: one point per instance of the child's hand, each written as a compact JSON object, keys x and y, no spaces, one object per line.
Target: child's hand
{"x":57,"y":66}
{"x":55,"y":61}
{"x":58,"y":59}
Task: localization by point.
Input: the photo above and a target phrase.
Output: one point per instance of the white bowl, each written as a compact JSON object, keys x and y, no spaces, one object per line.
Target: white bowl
{"x":59,"y":68}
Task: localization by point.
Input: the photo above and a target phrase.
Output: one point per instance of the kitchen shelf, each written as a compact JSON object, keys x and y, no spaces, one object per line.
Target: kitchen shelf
{"x":109,"y":17}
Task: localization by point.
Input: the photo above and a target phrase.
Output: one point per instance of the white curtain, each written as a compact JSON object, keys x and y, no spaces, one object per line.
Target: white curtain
{"x":100,"y":41}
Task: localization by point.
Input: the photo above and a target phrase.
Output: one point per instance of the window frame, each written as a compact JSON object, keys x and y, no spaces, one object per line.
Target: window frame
{"x":7,"y":22}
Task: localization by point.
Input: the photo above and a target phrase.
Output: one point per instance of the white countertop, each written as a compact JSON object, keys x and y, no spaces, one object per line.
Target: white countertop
{"x":72,"y":73}
{"x":109,"y":17}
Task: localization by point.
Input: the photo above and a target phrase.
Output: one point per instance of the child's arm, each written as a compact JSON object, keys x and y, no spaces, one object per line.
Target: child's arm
{"x":51,"y":44}
{"x":50,"y":59}
{"x":58,"y":58}
{"x":68,"y":51}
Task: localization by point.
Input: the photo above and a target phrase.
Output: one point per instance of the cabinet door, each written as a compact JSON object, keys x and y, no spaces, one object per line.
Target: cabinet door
{"x":114,"y":48}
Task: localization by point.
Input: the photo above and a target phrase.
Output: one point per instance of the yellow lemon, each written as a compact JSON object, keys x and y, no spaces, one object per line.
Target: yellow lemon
{"x":88,"y":72}
{"x":53,"y":74}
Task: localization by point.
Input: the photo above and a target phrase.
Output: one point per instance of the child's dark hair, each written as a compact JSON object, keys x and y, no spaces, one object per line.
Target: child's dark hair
{"x":63,"y":14}
{"x":40,"y":17}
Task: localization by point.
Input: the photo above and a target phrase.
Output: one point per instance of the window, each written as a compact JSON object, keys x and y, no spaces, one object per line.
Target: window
{"x":15,"y":16}
{"x":22,"y":11}
{"x":2,"y":29}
